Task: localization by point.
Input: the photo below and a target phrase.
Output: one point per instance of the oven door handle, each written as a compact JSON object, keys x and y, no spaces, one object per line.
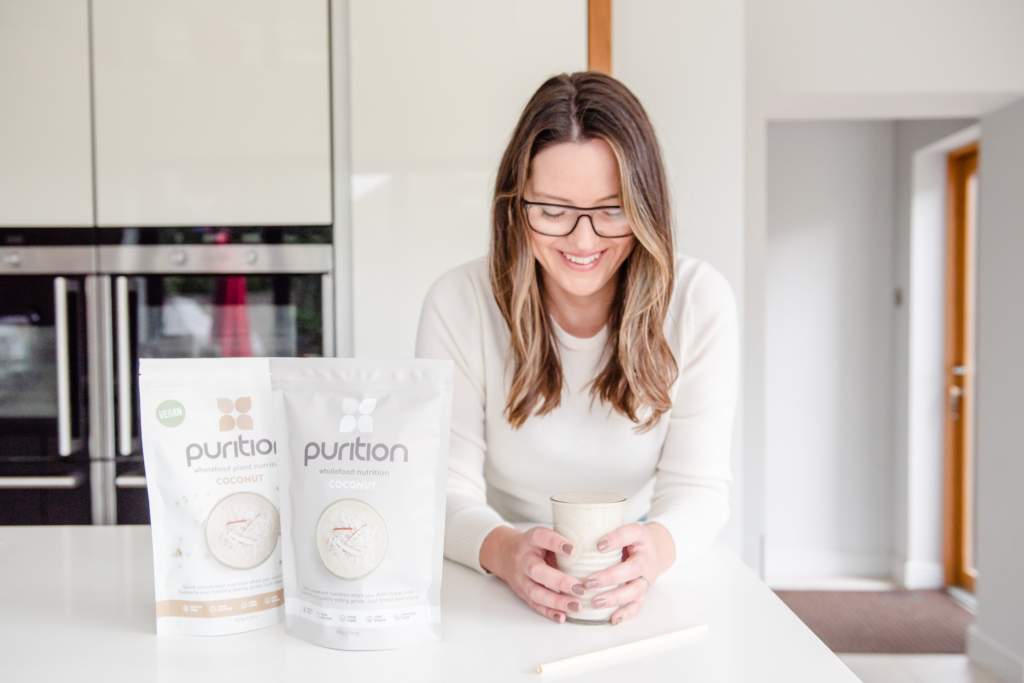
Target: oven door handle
{"x":71,"y":481}
{"x":60,"y":305}
{"x":124,"y":368}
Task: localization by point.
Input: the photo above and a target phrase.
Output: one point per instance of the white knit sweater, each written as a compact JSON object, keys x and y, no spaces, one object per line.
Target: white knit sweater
{"x":677,"y":474}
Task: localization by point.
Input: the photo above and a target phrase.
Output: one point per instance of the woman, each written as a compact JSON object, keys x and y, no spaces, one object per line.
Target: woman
{"x":587,"y":357}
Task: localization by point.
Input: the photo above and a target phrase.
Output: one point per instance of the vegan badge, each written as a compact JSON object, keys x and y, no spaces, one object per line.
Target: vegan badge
{"x":170,"y":413}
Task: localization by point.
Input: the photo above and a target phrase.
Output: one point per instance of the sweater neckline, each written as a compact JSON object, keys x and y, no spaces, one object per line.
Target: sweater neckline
{"x":598,"y":341}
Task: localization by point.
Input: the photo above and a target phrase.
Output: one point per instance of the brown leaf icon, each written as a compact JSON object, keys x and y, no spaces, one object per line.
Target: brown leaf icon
{"x":227,"y":423}
{"x":243,"y":404}
{"x":244,"y":422}
{"x":224,"y":405}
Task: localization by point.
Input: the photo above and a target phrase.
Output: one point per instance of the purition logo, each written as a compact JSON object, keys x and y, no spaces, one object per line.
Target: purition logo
{"x":234,"y":448}
{"x":170,"y":413}
{"x":365,"y":423}
{"x":227,"y":421}
{"x":374,"y":451}
{"x":237,"y":446}
{"x":359,"y":449}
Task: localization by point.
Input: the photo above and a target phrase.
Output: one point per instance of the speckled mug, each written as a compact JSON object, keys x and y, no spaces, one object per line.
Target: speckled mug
{"x":584,"y":517}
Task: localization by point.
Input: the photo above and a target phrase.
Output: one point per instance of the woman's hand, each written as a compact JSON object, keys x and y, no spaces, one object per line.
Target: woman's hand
{"x":525,"y":560}
{"x":647,"y":551}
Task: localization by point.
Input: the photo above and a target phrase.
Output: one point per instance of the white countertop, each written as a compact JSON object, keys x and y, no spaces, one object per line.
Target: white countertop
{"x":76,"y":603}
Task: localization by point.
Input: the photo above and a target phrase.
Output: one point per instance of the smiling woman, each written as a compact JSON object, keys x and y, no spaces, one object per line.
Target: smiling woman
{"x":588,"y":357}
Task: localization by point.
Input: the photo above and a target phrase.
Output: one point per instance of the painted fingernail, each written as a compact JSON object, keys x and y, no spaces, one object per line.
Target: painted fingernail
{"x":603,"y":545}
{"x":618,"y":620}
{"x":557,"y":617}
{"x":599,"y":603}
{"x":592,"y":583}
{"x":578,"y":589}
{"x":573,"y":606}
{"x":567,"y":548}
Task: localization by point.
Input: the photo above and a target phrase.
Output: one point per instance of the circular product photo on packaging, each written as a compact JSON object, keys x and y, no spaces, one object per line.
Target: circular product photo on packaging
{"x":242,"y":530}
{"x":351,"y":538}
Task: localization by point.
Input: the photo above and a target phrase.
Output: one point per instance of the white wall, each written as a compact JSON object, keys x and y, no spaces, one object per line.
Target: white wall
{"x":803,"y":54}
{"x":436,"y":89}
{"x":868,"y":59}
{"x":829,"y":348}
{"x":684,"y":60}
{"x":997,"y":641}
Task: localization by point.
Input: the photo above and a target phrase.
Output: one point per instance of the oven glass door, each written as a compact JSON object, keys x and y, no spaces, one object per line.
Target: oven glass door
{"x":201,"y":316}
{"x":44,"y":460}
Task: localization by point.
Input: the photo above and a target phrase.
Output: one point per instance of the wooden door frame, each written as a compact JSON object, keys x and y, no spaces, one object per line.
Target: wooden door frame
{"x":599,"y":36}
{"x":957,"y":441}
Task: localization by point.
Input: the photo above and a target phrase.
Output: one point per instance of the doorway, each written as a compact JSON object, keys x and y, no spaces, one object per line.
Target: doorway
{"x":855,"y":341}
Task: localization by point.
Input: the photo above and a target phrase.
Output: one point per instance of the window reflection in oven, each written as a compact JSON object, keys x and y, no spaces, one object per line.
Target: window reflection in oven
{"x":43,"y":387}
{"x":28,"y":375}
{"x":202,"y":316}
{"x":228,"y":316}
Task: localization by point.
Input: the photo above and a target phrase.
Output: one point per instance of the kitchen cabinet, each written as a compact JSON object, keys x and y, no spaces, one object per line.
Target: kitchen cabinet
{"x":45,"y":123}
{"x":212,"y":112}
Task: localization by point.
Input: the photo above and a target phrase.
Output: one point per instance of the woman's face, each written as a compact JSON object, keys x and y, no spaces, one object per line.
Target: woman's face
{"x":583,"y":174}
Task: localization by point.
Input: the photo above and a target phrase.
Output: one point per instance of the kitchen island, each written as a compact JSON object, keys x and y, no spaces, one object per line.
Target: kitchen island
{"x":76,"y":603}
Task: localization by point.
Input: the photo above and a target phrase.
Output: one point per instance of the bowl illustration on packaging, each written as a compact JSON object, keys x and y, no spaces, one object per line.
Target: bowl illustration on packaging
{"x":351,"y":538}
{"x":242,"y":530}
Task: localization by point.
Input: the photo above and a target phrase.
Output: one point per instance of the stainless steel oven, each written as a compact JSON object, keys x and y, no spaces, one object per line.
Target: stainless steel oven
{"x":203,"y":292}
{"x":47,"y":289}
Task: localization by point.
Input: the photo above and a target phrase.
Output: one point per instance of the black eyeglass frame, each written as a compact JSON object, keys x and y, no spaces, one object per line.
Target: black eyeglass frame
{"x":591,"y":209}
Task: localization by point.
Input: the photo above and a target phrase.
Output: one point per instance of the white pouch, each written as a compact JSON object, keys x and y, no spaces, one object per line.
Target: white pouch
{"x":211,"y":470}
{"x":364,"y":447}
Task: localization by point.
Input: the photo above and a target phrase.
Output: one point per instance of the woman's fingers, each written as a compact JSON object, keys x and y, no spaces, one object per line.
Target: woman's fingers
{"x":546,"y":612}
{"x":548,"y":576}
{"x":629,"y":610}
{"x":534,"y":592}
{"x":621,"y":537}
{"x":635,"y":567}
{"x":546,"y":539}
{"x":623,"y":595}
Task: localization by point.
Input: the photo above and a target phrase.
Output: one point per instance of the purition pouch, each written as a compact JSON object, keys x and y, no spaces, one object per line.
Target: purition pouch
{"x":211,"y":470}
{"x":364,"y":447}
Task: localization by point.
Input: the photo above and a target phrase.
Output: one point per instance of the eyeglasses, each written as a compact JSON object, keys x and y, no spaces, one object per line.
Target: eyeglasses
{"x":558,"y":220}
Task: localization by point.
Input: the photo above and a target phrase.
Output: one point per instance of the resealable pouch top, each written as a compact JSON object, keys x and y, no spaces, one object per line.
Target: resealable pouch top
{"x":364,"y":449}
{"x":211,"y":470}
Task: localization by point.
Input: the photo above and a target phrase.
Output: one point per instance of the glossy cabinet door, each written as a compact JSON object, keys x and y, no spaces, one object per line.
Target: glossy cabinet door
{"x":212,"y":112}
{"x":45,"y":136}
{"x":436,"y":89}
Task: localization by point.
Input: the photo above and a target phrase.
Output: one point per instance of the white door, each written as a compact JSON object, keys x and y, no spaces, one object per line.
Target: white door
{"x":212,"y":112}
{"x":45,"y":136}
{"x":1000,"y":392}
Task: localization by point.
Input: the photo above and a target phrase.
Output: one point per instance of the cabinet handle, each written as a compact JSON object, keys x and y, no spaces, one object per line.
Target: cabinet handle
{"x":124,"y":366}
{"x":130,"y":481}
{"x":60,"y":306}
{"x":69,"y":482}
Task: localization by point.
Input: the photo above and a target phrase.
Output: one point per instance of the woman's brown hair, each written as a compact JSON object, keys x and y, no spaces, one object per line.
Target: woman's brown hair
{"x":640,"y":368}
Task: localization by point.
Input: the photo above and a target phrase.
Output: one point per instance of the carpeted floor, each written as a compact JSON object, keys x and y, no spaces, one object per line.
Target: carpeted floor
{"x":894,"y":622}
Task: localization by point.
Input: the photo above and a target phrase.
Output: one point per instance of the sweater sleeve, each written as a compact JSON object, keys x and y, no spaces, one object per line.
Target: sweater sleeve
{"x":451,"y":329}
{"x":691,"y":494}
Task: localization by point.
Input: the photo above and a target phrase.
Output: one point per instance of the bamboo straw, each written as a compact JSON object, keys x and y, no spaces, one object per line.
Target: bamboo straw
{"x":621,"y":649}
